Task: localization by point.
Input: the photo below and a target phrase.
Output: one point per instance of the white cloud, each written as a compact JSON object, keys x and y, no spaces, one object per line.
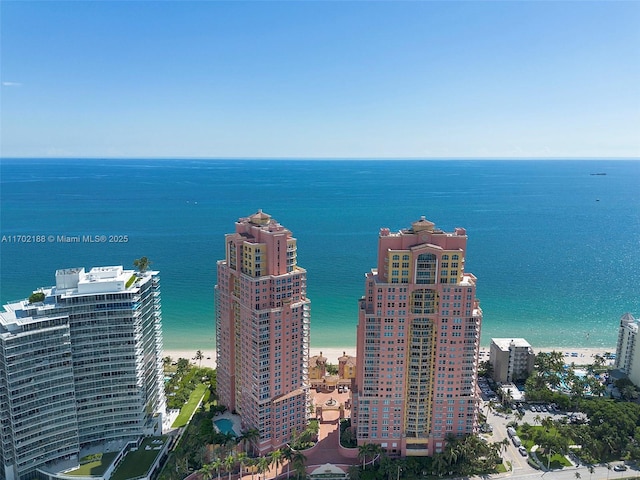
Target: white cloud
{"x":11,"y":84}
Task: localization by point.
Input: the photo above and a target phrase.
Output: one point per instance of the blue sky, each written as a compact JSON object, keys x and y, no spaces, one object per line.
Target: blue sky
{"x":320,"y":79}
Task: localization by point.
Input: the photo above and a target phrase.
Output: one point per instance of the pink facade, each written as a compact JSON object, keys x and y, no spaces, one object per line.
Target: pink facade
{"x":417,"y":343}
{"x":262,"y":331}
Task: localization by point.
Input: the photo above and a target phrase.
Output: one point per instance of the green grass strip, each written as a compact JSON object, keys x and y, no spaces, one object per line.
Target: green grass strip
{"x":130,"y":281}
{"x":188,"y":408}
{"x":95,"y":468}
{"x":136,"y":464}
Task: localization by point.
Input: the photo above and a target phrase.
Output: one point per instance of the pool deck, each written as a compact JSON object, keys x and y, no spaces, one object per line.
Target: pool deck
{"x":234,"y":419}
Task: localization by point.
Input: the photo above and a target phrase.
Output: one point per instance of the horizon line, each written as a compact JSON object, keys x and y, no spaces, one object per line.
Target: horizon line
{"x":312,"y":158}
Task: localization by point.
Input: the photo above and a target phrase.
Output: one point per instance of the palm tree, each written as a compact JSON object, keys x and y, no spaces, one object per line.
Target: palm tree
{"x":206,"y":471}
{"x":507,"y":396}
{"x":299,"y":461}
{"x":439,"y":464}
{"x":490,"y":406}
{"x":365,"y":450}
{"x":503,"y":445}
{"x":217,"y":465}
{"x":249,"y":437}
{"x":242,"y":458}
{"x":228,"y":439}
{"x":199,"y":356}
{"x":577,"y":475}
{"x":276,"y":460}
{"x":287,"y":454}
{"x":591,"y":470}
{"x":263,"y":465}
{"x":229,"y":464}
{"x":141,"y":264}
{"x":166,"y":361}
{"x":450,"y":454}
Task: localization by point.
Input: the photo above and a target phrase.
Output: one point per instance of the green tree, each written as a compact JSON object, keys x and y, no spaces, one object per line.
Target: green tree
{"x":264,"y":463}
{"x":439,"y":465}
{"x":276,"y":459}
{"x":299,"y":461}
{"x":354,"y":472}
{"x":249,"y":437}
{"x":485,"y":369}
{"x":199,"y":356}
{"x":229,"y":464}
{"x":365,"y":450}
{"x":331,"y":369}
{"x":166,"y":361}
{"x":242,"y":459}
{"x":217,"y":465}
{"x":206,"y":471}
{"x":142,"y":264}
{"x":287,"y":454}
{"x":36,"y":297}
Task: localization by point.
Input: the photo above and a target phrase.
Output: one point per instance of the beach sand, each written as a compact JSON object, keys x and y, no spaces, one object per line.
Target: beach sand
{"x":579,"y":356}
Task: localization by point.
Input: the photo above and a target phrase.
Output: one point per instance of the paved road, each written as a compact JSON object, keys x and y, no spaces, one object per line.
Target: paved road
{"x":522,"y":470}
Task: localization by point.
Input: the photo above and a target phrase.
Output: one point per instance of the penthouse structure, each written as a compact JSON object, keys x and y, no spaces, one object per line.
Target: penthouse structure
{"x":262,"y":331}
{"x":80,"y":364}
{"x":417,"y":343}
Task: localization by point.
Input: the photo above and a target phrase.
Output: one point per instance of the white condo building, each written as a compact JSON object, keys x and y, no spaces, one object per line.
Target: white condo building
{"x":627,"y":354}
{"x":81,"y":367}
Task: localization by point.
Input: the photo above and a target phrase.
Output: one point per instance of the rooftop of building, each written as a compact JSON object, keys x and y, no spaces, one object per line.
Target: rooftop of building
{"x":71,"y":282}
{"x":505,"y":343}
{"x":422,"y":225}
{"x":262,"y":220}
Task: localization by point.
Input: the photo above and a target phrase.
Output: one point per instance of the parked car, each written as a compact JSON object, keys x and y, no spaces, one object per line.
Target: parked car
{"x":620,"y":468}
{"x":522,"y":450}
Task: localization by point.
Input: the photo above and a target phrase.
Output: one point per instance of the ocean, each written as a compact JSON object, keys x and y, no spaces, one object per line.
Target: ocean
{"x":555,"y":248}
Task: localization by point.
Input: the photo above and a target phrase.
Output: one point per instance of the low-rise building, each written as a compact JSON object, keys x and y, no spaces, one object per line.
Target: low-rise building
{"x":627,"y":355}
{"x":512,"y":359}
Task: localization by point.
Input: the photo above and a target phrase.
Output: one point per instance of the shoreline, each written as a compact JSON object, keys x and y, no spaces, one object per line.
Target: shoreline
{"x":579,"y":356}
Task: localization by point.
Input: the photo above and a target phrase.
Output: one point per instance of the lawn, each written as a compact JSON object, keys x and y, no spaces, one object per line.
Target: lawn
{"x":188,"y":408}
{"x":97,"y":467}
{"x":137,"y":463}
{"x":557,"y":460}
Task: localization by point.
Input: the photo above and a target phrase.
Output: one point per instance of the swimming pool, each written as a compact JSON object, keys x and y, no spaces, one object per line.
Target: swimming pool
{"x":225,"y":426}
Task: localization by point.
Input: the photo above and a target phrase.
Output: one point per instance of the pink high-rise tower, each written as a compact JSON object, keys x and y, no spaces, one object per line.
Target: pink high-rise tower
{"x":262,"y":331}
{"x":417,"y":343}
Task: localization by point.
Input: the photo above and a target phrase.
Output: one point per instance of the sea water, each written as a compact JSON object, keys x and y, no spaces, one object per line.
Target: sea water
{"x":555,"y":248}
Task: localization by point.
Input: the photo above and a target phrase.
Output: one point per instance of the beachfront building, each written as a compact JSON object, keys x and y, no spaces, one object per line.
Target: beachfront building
{"x":80,"y":366}
{"x":627,"y":349}
{"x":512,"y":359}
{"x":317,"y":367}
{"x":417,"y":343}
{"x":262,"y":331}
{"x":347,"y":367}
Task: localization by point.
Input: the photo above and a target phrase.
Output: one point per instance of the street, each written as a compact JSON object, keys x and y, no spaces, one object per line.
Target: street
{"x":521,"y":468}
